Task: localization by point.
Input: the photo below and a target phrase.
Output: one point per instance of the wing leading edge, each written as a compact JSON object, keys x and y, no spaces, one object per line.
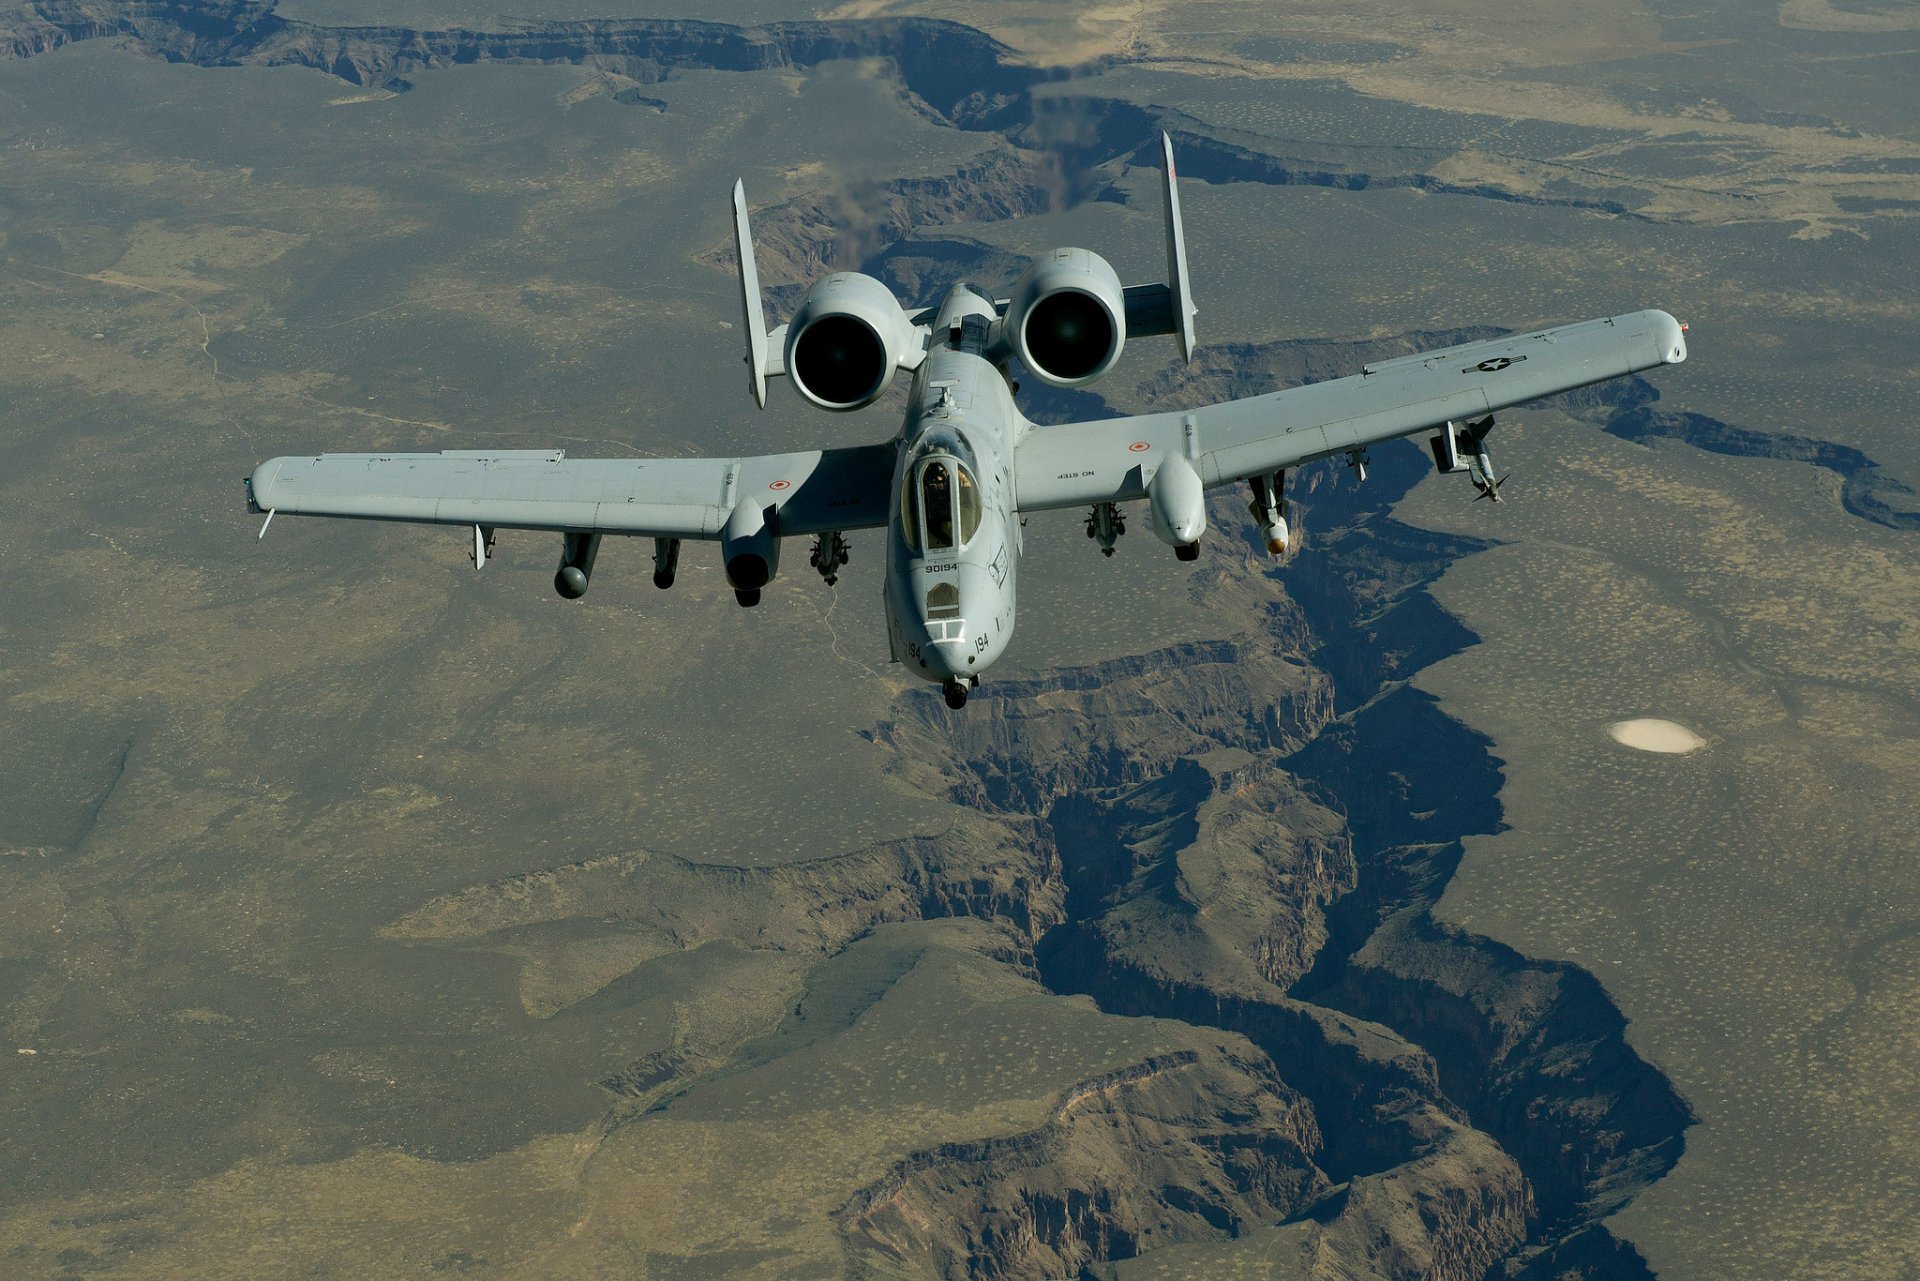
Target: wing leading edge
{"x":1113,"y":459}
{"x":814,"y":492}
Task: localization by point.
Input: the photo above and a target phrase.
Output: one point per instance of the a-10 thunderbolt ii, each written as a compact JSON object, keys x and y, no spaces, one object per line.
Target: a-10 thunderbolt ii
{"x":953,"y":485}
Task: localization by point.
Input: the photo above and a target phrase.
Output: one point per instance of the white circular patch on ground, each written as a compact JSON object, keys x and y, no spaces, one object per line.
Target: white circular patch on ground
{"x":1651,"y":735}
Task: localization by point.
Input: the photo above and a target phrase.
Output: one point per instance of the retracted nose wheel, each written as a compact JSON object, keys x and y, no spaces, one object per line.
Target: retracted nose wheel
{"x":956,"y":694}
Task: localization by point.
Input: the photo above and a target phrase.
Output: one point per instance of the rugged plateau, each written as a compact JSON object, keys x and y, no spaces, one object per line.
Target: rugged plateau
{"x":1237,"y":838}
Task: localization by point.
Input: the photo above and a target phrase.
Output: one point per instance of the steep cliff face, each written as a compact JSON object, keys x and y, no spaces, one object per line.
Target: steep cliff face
{"x":1208,"y":1145}
{"x":1117,"y":723}
{"x":956,"y":70}
{"x":1332,"y":824}
{"x":1533,"y":1051}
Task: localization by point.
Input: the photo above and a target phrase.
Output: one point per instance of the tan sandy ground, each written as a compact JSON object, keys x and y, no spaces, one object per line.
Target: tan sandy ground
{"x":1650,"y":734}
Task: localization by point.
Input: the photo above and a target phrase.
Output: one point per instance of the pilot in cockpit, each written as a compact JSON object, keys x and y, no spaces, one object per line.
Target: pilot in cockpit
{"x":939,"y":507}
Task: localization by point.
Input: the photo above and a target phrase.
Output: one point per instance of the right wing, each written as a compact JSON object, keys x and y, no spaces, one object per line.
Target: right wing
{"x":814,"y":492}
{"x":1114,"y":459}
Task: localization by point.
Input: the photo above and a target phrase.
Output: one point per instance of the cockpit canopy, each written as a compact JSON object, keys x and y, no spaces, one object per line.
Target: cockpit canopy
{"x":939,"y":505}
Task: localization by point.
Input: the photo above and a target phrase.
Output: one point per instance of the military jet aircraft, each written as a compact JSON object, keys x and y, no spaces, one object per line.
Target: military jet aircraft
{"x":952,"y":486}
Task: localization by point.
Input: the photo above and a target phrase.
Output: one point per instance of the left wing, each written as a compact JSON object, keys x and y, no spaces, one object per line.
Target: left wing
{"x":814,"y":492}
{"x":1115,"y":459}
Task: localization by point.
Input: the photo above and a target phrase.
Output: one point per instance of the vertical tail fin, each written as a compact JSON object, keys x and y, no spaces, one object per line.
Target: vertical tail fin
{"x":1181,"y":299}
{"x":752,"y":317}
{"x":1165,"y":308}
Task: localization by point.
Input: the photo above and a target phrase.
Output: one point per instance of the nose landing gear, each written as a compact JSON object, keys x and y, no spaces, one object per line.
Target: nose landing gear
{"x":956,"y":688}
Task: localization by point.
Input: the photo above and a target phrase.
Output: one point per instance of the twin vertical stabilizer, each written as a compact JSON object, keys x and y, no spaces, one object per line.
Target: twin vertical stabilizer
{"x":752,"y":317}
{"x":863,"y":333}
{"x":1180,"y":296}
{"x":1166,"y":308}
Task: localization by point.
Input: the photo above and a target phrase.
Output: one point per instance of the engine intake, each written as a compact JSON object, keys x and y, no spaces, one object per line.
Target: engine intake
{"x":1068,"y":317}
{"x":846,"y":340}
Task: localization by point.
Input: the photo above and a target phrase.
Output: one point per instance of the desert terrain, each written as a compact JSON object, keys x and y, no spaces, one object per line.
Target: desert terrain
{"x":362,"y":915}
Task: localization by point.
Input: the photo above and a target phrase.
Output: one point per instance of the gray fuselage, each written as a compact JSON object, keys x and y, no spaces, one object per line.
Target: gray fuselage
{"x":953,"y":542}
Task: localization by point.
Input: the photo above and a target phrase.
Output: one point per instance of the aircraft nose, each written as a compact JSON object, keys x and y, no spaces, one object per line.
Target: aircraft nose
{"x":945,"y":659}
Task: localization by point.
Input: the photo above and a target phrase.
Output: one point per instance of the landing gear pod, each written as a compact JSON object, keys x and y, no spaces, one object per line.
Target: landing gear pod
{"x":577,"y":552}
{"x":846,"y":340}
{"x":1068,"y":317}
{"x":1178,"y":502}
{"x":750,"y":549}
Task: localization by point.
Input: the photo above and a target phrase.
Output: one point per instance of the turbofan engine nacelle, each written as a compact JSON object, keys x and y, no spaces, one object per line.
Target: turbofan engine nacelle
{"x":846,"y":340}
{"x":1068,"y":317}
{"x":750,"y":547}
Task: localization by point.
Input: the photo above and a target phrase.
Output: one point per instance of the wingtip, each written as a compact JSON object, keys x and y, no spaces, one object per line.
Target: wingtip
{"x":1672,"y":337}
{"x":260,"y":496}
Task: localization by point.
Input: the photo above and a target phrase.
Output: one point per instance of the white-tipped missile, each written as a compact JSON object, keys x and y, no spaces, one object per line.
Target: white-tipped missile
{"x":1269,"y":509}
